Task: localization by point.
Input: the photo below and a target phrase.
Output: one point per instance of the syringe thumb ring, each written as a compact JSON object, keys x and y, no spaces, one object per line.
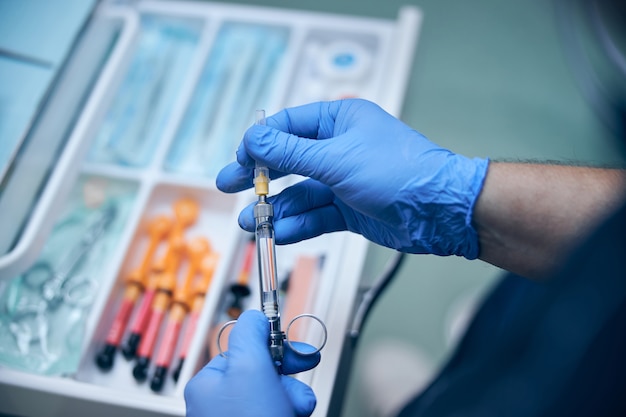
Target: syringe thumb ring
{"x":324,"y":333}
{"x":276,"y":338}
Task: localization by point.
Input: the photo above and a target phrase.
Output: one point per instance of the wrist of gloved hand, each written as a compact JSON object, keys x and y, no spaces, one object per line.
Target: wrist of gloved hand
{"x":245,"y":383}
{"x":371,"y":174}
{"x":450,"y":206}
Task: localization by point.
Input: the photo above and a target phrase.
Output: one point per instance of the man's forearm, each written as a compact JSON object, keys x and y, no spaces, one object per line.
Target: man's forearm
{"x":529,"y":216}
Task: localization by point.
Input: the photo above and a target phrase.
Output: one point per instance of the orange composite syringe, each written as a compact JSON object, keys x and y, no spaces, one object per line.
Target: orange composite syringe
{"x":200,"y":288}
{"x":196,"y":249}
{"x":164,"y":290}
{"x":157,"y":229}
{"x":185,"y":212}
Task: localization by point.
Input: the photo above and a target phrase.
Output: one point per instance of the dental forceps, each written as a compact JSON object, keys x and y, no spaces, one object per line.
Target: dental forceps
{"x":268,"y":276}
{"x":51,"y":286}
{"x":54,"y":283}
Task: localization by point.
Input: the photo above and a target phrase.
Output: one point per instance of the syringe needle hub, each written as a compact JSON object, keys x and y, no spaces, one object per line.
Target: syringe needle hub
{"x":261,"y":181}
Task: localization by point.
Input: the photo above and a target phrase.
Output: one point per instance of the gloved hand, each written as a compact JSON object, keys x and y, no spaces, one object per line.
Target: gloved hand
{"x":245,"y":383}
{"x":370,"y":173}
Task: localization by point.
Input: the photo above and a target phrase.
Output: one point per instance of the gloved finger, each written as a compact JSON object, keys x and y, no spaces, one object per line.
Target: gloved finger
{"x":301,"y":121}
{"x":294,"y":362}
{"x":311,"y":224}
{"x":206,"y":379}
{"x":296,"y":199}
{"x":217,"y":365}
{"x":300,"y":198}
{"x":302,"y":211}
{"x":238,"y":176}
{"x":288,"y":153}
{"x":305,"y":210}
{"x":314,"y":120}
{"x":247,"y":344}
{"x":301,"y":396}
{"x":246,"y":218}
{"x":234,"y":178}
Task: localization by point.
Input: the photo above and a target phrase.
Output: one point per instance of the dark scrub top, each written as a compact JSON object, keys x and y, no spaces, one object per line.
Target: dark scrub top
{"x":555,"y":348}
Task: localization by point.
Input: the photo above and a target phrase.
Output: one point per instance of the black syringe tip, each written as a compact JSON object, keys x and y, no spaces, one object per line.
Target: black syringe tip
{"x":158,"y":379}
{"x":239,"y":291}
{"x":176,"y":372}
{"x":140,"y":371}
{"x":130,"y":347}
{"x":106,"y":357}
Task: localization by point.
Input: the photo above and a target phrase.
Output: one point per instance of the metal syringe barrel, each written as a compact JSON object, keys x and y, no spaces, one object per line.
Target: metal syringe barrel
{"x":268,"y":277}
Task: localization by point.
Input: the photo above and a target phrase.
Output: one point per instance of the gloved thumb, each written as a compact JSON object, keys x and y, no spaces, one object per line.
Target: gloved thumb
{"x":247,"y":343}
{"x":301,"y":396}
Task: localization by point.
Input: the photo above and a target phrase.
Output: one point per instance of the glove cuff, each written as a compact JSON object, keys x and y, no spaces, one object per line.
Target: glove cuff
{"x":439,"y":219}
{"x":470,"y":249}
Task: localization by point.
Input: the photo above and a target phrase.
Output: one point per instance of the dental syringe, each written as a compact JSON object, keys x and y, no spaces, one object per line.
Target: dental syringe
{"x":266,"y":256}
{"x":268,"y":276}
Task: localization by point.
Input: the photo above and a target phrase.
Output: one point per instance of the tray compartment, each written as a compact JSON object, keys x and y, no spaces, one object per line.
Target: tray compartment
{"x":213,"y":223}
{"x":238,"y":77}
{"x":45,"y":311}
{"x":143,"y":104}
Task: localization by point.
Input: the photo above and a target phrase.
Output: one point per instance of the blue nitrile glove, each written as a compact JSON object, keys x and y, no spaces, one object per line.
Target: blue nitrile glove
{"x":370,"y":173}
{"x":245,"y":382}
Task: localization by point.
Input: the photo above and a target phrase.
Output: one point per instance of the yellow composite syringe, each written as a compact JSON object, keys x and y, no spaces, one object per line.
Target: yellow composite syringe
{"x":266,"y":256}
